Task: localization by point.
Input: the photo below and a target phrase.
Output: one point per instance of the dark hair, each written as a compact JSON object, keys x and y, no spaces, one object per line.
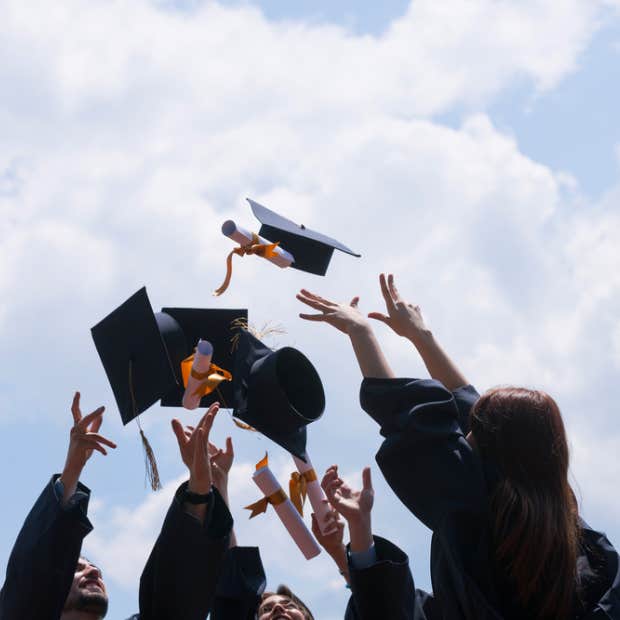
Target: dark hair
{"x":286,"y":591}
{"x":534,"y":517}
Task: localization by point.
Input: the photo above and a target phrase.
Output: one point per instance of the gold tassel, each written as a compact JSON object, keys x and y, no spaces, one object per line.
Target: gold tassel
{"x":150,"y":464}
{"x":152,"y":473}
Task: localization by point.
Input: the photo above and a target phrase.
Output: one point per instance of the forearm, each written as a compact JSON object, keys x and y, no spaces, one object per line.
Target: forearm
{"x":339,"y":555}
{"x":222,"y":487}
{"x":369,"y":355}
{"x":360,"y":531}
{"x":69,"y":478}
{"x":437,"y":362}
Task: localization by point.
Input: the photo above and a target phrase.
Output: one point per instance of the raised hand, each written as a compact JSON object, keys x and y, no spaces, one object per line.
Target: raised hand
{"x":343,"y":317}
{"x":352,"y":505}
{"x":83,"y":439}
{"x":194,"y":448}
{"x":402,"y":317}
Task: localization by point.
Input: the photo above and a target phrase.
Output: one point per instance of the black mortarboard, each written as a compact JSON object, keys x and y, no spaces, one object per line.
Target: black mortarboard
{"x":312,"y":250}
{"x":276,"y":392}
{"x":141,"y":351}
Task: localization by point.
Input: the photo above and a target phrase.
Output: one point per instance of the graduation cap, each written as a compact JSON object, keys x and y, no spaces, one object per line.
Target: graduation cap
{"x":142,"y":351}
{"x":312,"y":250}
{"x":276,"y":392}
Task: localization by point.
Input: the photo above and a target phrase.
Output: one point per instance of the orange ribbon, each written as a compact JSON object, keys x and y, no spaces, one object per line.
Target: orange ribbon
{"x":275,"y":499}
{"x":298,"y":488}
{"x":209,"y":380}
{"x":253,"y":247}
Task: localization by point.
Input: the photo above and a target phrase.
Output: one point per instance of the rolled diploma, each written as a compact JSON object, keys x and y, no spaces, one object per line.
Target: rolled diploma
{"x":318,"y":500}
{"x":202,"y":361}
{"x":243,"y":237}
{"x":288,"y":514}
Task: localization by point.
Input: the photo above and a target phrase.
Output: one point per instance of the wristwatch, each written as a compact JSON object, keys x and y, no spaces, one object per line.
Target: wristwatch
{"x":196,"y":498}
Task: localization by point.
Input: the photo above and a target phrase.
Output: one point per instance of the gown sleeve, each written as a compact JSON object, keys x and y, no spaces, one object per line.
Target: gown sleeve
{"x":386,"y":589}
{"x":182,"y":572}
{"x":45,"y":556}
{"x":425,"y":457}
{"x":240,"y":585}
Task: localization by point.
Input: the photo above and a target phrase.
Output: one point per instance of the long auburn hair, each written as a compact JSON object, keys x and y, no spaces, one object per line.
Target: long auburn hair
{"x":534,"y":515}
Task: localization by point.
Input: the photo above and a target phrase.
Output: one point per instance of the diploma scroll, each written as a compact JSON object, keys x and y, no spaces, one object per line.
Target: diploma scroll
{"x":269,"y":486}
{"x":318,"y":500}
{"x":281,"y":257}
{"x":200,"y":368}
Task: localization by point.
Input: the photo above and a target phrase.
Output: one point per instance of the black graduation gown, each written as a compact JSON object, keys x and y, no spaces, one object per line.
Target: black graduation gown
{"x":431,"y":467}
{"x":386,"y":589}
{"x":240,"y":585}
{"x":187,"y":557}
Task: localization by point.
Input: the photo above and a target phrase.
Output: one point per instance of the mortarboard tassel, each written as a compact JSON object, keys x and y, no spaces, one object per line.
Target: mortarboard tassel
{"x":254,"y":247}
{"x":152,"y":473}
{"x":150,"y":464}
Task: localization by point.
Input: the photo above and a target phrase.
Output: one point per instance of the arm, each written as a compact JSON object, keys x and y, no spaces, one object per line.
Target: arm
{"x":181,"y":574}
{"x":379,"y":575}
{"x":349,"y":320}
{"x":425,"y":457}
{"x":406,"y":320}
{"x":47,"y":549}
{"x":333,"y":542}
{"x":221,"y":462}
{"x":242,"y":579}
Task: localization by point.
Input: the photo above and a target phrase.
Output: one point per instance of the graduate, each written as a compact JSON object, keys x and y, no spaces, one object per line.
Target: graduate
{"x":488,"y":475}
{"x":375,"y":569}
{"x":48,"y":579}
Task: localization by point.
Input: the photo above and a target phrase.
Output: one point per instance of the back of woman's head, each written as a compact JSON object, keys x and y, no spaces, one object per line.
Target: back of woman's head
{"x":534,"y":512}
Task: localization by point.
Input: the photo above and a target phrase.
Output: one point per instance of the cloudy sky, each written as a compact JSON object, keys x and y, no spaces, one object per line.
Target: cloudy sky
{"x":470,"y":147}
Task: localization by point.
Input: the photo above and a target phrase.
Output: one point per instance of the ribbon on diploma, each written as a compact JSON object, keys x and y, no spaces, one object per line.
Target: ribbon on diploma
{"x":254,"y":247}
{"x":208,"y":381}
{"x":275,"y":499}
{"x":298,"y":488}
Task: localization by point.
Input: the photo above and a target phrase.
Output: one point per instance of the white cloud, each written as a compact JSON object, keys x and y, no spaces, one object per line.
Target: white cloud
{"x":124,"y":149}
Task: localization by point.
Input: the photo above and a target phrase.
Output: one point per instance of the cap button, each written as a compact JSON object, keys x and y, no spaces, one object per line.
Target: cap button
{"x":302,"y":227}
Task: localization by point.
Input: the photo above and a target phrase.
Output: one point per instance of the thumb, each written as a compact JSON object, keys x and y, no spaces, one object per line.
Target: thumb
{"x":378,"y":316}
{"x":229,"y":446}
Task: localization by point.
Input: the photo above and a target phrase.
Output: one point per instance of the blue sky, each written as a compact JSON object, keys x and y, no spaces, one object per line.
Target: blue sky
{"x":471,"y":148}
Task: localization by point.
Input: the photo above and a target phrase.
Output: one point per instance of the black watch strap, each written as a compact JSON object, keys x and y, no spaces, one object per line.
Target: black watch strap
{"x":196,"y":498}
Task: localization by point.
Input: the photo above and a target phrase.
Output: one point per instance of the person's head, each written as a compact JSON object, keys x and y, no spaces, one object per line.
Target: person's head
{"x":282,"y":604}
{"x":534,"y":511}
{"x":87,"y":594}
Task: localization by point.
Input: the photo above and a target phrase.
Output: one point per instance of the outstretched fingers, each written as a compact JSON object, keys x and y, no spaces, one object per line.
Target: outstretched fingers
{"x":318,"y":298}
{"x":366,"y":479}
{"x":86,"y":421}
{"x":393,"y":290}
{"x":314,"y":303}
{"x":387,"y":296}
{"x":177,"y":427}
{"x":75,"y":408}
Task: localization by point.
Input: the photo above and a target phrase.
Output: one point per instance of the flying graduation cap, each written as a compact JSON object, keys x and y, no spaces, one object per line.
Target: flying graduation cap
{"x":312,"y":250}
{"x":276,"y":392}
{"x":142,"y":351}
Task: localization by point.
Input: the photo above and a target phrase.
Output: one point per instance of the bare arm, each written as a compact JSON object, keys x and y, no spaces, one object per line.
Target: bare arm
{"x":349,"y":320}
{"x":406,"y":320}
